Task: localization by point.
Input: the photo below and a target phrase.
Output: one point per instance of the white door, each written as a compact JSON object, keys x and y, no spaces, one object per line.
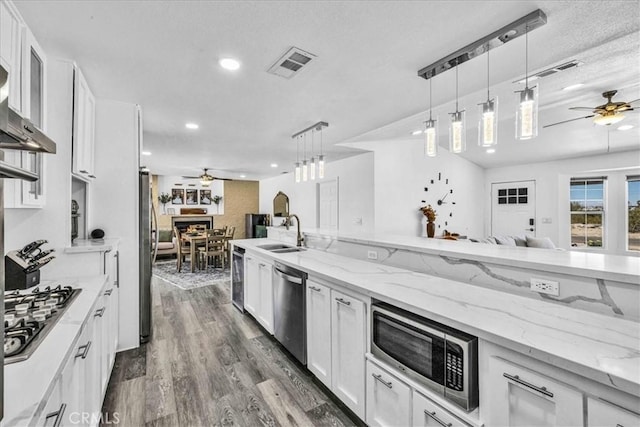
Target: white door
{"x":328,"y":205}
{"x":513,"y":208}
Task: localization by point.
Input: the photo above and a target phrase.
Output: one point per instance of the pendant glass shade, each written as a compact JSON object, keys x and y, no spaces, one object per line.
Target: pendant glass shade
{"x":488,"y":123}
{"x":312,"y":169}
{"x":527,"y":114}
{"x":320,"y":166}
{"x":305,"y":171}
{"x":431,"y":138}
{"x":297,"y":172}
{"x":457,"y":132}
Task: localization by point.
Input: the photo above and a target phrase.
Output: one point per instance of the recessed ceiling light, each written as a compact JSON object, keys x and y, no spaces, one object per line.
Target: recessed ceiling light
{"x":191,"y":126}
{"x":573,"y":87}
{"x":491,"y":150}
{"x":274,"y":165}
{"x":416,"y":132}
{"x":625,"y":127}
{"x":243,"y":176}
{"x":146,"y":153}
{"x":229,"y":64}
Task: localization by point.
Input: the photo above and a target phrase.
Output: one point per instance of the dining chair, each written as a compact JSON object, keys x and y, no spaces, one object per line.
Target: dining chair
{"x":214,"y":248}
{"x":183,"y":248}
{"x":228,"y":235}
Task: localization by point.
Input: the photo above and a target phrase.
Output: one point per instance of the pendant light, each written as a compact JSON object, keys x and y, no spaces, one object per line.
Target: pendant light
{"x":305,"y":168}
{"x":312,"y":165}
{"x":431,"y":131}
{"x":488,"y":113}
{"x":297,"y":174}
{"x":321,"y":159}
{"x":527,"y":114}
{"x":457,"y":129}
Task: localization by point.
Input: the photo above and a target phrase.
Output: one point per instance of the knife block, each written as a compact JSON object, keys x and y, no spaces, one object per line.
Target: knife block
{"x":14,"y":274}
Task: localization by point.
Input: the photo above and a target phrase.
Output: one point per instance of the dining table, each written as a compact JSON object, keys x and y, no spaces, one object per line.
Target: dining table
{"x":194,"y":239}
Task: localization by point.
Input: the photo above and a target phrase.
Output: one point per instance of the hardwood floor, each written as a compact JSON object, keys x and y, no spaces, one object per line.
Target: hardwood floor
{"x":207,"y":364}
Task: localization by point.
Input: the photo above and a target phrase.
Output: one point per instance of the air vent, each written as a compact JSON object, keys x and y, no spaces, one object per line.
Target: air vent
{"x":553,"y":70}
{"x":291,"y":63}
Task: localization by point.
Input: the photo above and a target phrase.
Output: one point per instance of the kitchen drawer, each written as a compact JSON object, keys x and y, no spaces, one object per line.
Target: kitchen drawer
{"x":388,"y":398}
{"x":428,"y":413}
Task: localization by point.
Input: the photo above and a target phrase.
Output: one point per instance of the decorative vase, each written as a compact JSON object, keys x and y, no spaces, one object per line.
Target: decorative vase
{"x":431,"y":229}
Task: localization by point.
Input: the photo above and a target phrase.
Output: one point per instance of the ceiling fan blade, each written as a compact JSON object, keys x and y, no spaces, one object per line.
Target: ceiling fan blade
{"x":583,"y":108}
{"x":190,"y":177}
{"x":570,"y":120}
{"x":223,"y":179}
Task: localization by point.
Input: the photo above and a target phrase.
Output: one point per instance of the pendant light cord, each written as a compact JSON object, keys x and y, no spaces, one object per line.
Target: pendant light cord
{"x":488,"y":81}
{"x":430,"y":99}
{"x":456,"y":85}
{"x":313,"y":131}
{"x":298,"y":150}
{"x":526,"y":56}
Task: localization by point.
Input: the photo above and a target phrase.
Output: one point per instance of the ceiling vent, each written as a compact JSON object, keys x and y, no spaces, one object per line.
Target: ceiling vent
{"x":291,"y":63}
{"x":553,"y":70}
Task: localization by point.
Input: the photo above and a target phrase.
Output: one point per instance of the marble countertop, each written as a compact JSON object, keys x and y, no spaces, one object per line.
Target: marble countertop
{"x":598,"y":347}
{"x":582,"y":263}
{"x":28,"y":384}
{"x":92,"y":245}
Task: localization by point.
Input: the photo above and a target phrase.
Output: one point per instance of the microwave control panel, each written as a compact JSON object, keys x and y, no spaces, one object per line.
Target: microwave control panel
{"x":454,"y":371}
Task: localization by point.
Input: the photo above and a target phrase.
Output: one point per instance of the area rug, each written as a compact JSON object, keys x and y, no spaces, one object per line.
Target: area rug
{"x":167,"y":271}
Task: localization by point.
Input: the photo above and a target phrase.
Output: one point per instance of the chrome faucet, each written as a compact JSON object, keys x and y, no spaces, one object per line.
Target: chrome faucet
{"x":300,"y":239}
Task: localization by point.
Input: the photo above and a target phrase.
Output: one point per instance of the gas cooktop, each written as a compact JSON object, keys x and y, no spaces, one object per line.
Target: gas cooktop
{"x":30,"y":315}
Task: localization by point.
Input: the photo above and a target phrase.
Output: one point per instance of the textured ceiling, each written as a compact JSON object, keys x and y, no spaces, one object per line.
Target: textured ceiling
{"x":163,"y":55}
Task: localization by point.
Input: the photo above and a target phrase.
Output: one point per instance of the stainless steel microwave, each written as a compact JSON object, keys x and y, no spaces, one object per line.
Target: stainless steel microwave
{"x":441,"y":358}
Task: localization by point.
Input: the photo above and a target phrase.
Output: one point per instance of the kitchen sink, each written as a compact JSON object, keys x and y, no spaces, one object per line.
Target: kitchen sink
{"x":274,"y":246}
{"x":288,"y":249}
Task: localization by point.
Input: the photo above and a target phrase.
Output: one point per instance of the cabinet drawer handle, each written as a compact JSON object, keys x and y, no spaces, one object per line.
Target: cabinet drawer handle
{"x":341,"y":300}
{"x":83,"y":171}
{"x":99,"y":312}
{"x":83,"y":350}
{"x":379,"y":378}
{"x":91,"y":176}
{"x":313,"y":288}
{"x":58,"y":414}
{"x":433,"y":416}
{"x":541,"y":390}
{"x":108,"y":292}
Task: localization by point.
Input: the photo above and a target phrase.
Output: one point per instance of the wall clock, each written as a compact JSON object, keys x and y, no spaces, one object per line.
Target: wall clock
{"x":440,"y":195}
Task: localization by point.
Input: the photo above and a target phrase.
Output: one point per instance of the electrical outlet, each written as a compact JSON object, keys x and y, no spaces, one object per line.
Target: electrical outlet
{"x":372,"y":254}
{"x":545,"y":286}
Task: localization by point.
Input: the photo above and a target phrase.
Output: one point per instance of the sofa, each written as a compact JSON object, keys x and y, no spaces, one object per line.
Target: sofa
{"x":167,"y":243}
{"x":523,"y":241}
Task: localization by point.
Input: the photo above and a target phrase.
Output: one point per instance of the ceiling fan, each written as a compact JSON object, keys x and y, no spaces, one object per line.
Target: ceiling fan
{"x":205,"y":178}
{"x":605,"y":114}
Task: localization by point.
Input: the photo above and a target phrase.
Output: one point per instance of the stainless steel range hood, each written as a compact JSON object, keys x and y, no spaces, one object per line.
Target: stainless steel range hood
{"x":16,"y":132}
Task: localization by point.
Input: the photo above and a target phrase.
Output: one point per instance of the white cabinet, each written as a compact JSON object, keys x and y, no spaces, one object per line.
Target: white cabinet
{"x":25,"y":194}
{"x":600,"y":414}
{"x":388,"y":399}
{"x":521,"y":397}
{"x":34,"y":81}
{"x":11,"y":35}
{"x":259,"y":290}
{"x":347,"y":351}
{"x":84,"y":117}
{"x":319,"y":331}
{"x":426,"y":413}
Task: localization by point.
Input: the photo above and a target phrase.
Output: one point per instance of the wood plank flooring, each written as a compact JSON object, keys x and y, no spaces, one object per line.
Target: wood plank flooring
{"x":207,"y":364}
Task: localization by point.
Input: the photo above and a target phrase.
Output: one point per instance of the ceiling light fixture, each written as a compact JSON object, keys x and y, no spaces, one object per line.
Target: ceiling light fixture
{"x":146,"y":153}
{"x":431,"y":130}
{"x":608,"y":118}
{"x":527,"y":113}
{"x":321,"y":156}
{"x":274,"y":165}
{"x":191,"y":126}
{"x":573,"y":87}
{"x":297,"y":171}
{"x":491,"y":150}
{"x":312,"y":165}
{"x":457,"y":130}
{"x":305,"y":167}
{"x":229,"y":64}
{"x":243,"y":176}
{"x":625,"y":127}
{"x":488,"y":125}
{"x":307,"y":171}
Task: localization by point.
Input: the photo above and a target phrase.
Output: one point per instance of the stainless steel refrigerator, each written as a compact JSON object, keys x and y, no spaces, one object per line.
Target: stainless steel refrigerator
{"x":254,"y":225}
{"x":148,"y":219}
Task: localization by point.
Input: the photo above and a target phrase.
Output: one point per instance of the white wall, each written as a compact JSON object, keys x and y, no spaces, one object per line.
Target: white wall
{"x":168,"y":182}
{"x":355,"y":194}
{"x":552,"y":193}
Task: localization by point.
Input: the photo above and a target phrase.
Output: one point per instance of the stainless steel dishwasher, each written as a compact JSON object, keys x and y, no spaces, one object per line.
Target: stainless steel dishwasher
{"x":290,"y":313}
{"x":237,"y":278}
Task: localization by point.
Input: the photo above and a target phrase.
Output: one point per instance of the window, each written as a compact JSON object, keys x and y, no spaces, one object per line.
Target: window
{"x":633,"y":218}
{"x":587,"y":212}
{"x":512,"y":196}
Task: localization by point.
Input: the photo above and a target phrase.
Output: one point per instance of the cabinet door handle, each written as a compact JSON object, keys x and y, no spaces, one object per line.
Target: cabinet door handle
{"x":100,"y":312}
{"x":342,"y":300}
{"x":313,"y":288}
{"x":91,"y":176}
{"x":83,"y":350}
{"x":515,"y":378}
{"x":117,"y":258}
{"x":83,"y":171}
{"x":263,"y":264}
{"x":379,"y":378}
{"x":433,"y":416}
{"x":108,"y":292}
{"x":58,"y":414}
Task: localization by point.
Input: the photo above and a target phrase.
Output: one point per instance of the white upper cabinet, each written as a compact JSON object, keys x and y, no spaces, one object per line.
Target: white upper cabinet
{"x":11,"y":34}
{"x":34,"y":78}
{"x":84,"y":118}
